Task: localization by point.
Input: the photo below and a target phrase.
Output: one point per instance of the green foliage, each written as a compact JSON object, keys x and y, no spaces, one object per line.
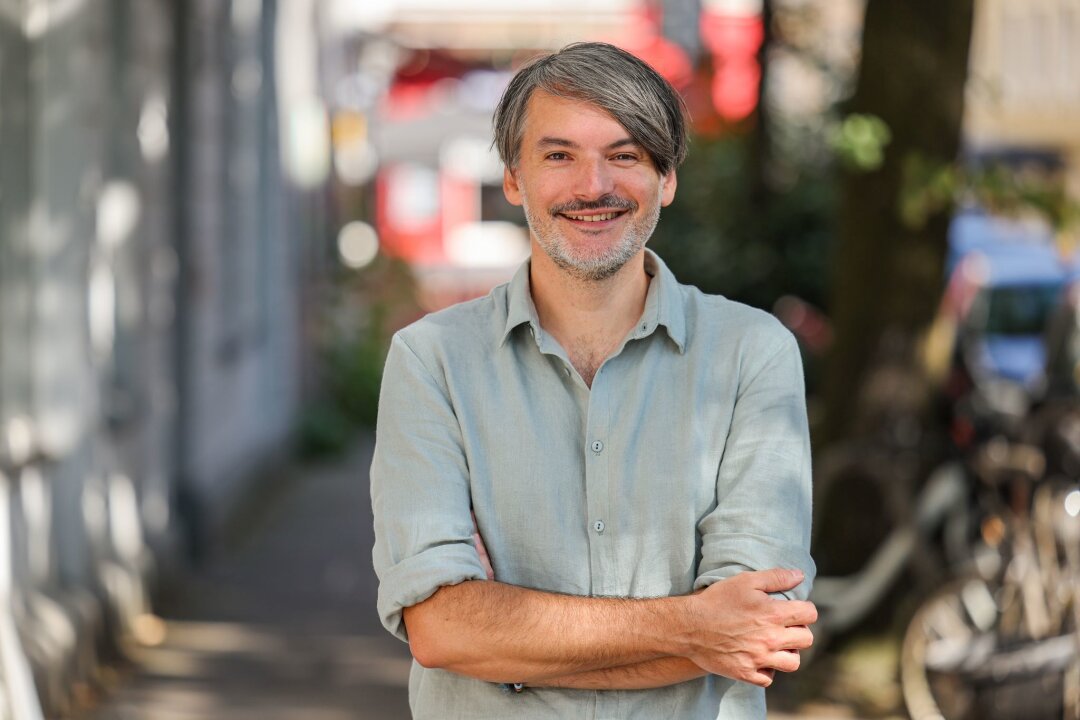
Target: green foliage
{"x":930,"y":187}
{"x":927,"y":188}
{"x":732,"y":234}
{"x":353,"y":368}
{"x":349,"y":393}
{"x":324,"y":430}
{"x":364,"y":310}
{"x":859,"y":141}
{"x":1006,"y":191}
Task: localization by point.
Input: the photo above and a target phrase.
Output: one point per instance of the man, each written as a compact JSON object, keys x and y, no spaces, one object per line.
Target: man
{"x":631,"y":449}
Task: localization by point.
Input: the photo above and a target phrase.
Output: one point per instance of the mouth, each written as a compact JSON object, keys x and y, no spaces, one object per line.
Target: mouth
{"x":593,"y":219}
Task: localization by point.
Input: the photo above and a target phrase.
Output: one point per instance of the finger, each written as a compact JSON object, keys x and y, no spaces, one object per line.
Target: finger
{"x":796,"y":638}
{"x":774,"y":580}
{"x":762,"y":677}
{"x":784,"y":661}
{"x":792,"y":613}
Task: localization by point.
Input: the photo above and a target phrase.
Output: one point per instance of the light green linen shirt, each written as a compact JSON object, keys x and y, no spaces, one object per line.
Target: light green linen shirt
{"x":687,"y":462}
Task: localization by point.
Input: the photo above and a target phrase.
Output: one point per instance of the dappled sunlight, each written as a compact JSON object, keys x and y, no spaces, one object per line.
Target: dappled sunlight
{"x":207,"y":667}
{"x":195,"y":650}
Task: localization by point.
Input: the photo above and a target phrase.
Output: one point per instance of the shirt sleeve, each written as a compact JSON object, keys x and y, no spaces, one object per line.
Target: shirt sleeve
{"x":419,"y":491}
{"x":763,"y":489}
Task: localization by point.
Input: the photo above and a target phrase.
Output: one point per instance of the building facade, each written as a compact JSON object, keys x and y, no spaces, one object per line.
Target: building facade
{"x":152,"y":287}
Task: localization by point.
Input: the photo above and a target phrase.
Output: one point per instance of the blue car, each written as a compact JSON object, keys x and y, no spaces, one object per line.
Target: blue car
{"x":1006,"y":279}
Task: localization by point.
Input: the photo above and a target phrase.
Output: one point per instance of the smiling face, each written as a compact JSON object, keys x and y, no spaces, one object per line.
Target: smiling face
{"x":591,"y":195}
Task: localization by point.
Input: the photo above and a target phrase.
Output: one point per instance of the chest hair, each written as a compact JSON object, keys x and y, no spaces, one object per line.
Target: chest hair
{"x":587,"y":355}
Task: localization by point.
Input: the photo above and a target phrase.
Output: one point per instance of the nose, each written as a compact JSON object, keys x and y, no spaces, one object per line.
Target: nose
{"x":594,"y":179}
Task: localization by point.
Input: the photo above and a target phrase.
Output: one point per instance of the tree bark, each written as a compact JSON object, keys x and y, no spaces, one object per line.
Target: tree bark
{"x":887,"y":277}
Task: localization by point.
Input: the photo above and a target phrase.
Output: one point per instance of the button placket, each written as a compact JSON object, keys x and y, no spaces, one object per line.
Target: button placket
{"x":597,"y":449}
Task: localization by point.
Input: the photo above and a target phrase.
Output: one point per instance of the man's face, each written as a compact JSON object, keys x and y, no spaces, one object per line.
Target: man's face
{"x":591,"y":195}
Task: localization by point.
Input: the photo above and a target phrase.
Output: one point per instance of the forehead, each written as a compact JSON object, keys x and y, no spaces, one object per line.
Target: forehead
{"x":548,"y":115}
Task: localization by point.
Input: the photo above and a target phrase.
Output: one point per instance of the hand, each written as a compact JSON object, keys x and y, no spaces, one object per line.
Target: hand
{"x":744,"y":634}
{"x":481,"y":550}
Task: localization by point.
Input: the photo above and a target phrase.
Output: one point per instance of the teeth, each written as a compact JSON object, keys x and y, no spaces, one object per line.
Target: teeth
{"x":593,"y":218}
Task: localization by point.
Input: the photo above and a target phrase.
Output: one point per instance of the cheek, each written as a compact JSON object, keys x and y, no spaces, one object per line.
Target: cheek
{"x":643,"y":189}
{"x":649,"y":194}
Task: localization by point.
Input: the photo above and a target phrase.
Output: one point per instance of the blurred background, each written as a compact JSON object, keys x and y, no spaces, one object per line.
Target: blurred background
{"x":215,"y":213}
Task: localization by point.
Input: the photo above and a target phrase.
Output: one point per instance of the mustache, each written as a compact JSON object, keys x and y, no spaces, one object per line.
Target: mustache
{"x":603,"y":202}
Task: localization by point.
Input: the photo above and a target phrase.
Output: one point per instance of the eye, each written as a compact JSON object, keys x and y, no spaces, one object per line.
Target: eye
{"x":625,"y":157}
{"x":557,"y":156}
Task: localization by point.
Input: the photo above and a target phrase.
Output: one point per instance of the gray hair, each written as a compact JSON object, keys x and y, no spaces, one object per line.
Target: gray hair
{"x":615,"y":81}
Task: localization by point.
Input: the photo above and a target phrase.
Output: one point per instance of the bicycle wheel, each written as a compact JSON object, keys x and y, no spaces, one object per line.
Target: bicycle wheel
{"x":951,"y":630}
{"x":956,"y":665}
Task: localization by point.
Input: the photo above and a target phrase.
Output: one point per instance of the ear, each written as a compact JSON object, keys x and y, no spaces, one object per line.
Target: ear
{"x":667,"y":188}
{"x":510,"y":187}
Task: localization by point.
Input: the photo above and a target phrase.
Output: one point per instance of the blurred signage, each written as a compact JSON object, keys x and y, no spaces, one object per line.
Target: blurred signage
{"x":732,"y":32}
{"x":408,"y":212}
{"x":642,"y":36}
{"x":445,"y":217}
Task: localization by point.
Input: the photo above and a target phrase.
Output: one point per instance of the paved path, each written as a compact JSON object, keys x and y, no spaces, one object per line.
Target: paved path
{"x":282,"y":627}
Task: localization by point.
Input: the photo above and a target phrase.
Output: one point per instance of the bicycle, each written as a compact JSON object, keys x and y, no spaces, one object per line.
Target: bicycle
{"x":1001,"y":640}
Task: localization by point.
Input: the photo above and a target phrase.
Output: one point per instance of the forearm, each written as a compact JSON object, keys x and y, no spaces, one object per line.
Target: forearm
{"x":503,"y":633}
{"x":657,"y":673}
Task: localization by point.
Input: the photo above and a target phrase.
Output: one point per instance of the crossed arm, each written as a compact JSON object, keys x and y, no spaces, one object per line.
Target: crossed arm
{"x":607,"y":643}
{"x":503,"y":633}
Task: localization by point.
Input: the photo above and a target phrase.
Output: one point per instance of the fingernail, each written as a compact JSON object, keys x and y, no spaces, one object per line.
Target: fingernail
{"x":796,"y":575}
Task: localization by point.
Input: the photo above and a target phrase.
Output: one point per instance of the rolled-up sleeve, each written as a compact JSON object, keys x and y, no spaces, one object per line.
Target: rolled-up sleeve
{"x":763,"y":489}
{"x":419,"y":490}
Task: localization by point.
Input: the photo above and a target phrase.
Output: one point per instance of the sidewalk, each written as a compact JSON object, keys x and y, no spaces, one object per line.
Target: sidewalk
{"x":283,"y":626}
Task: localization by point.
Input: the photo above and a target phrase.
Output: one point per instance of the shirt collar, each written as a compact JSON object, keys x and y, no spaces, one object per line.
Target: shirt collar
{"x":519,"y":303}
{"x":663,"y":304}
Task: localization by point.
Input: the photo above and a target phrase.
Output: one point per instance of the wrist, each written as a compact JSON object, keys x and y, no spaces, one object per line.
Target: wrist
{"x":679,"y":626}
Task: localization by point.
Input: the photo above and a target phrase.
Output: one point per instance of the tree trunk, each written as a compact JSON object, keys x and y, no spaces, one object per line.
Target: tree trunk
{"x":887,"y":277}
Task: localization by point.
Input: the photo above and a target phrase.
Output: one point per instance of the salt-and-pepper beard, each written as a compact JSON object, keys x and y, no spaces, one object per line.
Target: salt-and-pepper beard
{"x":609,"y":262}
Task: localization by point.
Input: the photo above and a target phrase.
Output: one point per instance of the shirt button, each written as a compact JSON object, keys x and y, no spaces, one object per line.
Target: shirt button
{"x":597,"y":446}
{"x":567,"y":371}
{"x":598,"y":526}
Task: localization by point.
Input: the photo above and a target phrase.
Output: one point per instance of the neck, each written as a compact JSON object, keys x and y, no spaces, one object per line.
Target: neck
{"x":598,"y":313}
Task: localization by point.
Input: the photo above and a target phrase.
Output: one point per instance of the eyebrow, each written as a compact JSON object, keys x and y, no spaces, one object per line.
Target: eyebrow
{"x":549,"y":141}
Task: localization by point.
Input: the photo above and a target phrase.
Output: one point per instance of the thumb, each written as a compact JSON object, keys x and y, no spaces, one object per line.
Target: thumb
{"x":776,"y":579}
